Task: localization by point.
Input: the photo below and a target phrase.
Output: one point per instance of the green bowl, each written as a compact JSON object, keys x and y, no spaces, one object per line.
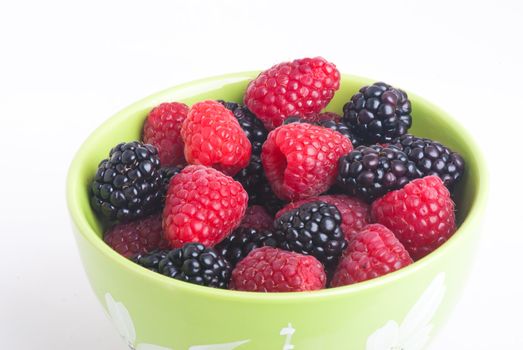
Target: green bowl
{"x":401,"y":310}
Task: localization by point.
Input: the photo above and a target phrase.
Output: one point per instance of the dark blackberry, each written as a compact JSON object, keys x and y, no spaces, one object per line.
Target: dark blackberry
{"x":252,"y":126}
{"x":330,"y":124}
{"x":371,"y":171}
{"x":167,"y":173}
{"x":150,"y":260}
{"x":378,"y":113}
{"x":432,"y":158}
{"x":252,"y":176}
{"x":128,"y":184}
{"x":312,"y":229}
{"x":342,"y":129}
{"x":194,"y":263}
{"x":242,"y":241}
{"x":264,"y":196}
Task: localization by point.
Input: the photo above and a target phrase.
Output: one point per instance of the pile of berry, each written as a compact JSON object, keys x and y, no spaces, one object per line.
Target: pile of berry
{"x":274,"y":195}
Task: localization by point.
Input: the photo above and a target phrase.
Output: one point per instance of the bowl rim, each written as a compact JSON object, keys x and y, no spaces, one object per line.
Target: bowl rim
{"x":82,"y":226}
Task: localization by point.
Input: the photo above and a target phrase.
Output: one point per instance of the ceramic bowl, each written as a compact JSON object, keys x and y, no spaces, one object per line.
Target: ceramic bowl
{"x":402,"y":310}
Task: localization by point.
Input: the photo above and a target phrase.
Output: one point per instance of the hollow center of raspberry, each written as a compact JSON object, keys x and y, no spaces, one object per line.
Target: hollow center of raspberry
{"x":280,"y":164}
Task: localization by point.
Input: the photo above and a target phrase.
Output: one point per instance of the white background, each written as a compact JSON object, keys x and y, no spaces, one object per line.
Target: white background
{"x":66,"y":66}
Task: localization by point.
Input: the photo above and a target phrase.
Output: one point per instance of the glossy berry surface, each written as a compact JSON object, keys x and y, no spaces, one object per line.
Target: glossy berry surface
{"x":271,"y":269}
{"x":128,"y":184}
{"x":369,"y":172}
{"x":300,"y":87}
{"x":194,"y":263}
{"x":203,"y":205}
{"x":151,"y":261}
{"x":312,"y":229}
{"x":355,"y":213}
{"x":433,"y":158}
{"x":301,"y":160}
{"x":242,"y":241}
{"x":162,"y":130}
{"x":374,"y":252}
{"x":421,"y":215}
{"x":378,"y":113}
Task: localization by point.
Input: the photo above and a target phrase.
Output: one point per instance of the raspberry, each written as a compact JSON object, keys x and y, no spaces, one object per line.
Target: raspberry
{"x":312,"y":229}
{"x":370,"y":172}
{"x":432,"y":158}
{"x":257,"y":217}
{"x":162,"y":130}
{"x":213,"y":137}
{"x":300,"y":87}
{"x":355,"y":214}
{"x":421,"y":215}
{"x":374,"y":252}
{"x":252,"y":126}
{"x":203,"y":205}
{"x":242,"y":241}
{"x":378,"y":113}
{"x":128,"y":184}
{"x":194,"y":263}
{"x":137,"y":237}
{"x":301,"y":160}
{"x":270,"y":269}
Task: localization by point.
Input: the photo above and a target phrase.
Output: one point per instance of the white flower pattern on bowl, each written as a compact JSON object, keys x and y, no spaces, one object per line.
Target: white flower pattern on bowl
{"x":414,"y":332}
{"x":125,"y":326}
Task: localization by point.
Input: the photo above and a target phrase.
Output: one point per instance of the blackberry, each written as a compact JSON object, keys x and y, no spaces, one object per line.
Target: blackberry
{"x":252,"y":176}
{"x":167,"y":173}
{"x":194,"y":263}
{"x":265,"y":197}
{"x":312,"y":229}
{"x":378,"y":113}
{"x":252,"y":126}
{"x":242,"y":241}
{"x":128,"y":184}
{"x":432,"y":158}
{"x":370,"y":172}
{"x":150,"y":260}
{"x":329,"y":124}
{"x":343,"y":129}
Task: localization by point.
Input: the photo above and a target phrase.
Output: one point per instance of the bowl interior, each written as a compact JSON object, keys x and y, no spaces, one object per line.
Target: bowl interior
{"x":428,"y":121}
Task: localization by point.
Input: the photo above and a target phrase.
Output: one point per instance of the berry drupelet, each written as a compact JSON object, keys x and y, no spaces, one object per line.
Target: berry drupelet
{"x":252,"y":126}
{"x":128,"y":184}
{"x":194,"y":263}
{"x":370,"y":172}
{"x":151,"y":260}
{"x":432,"y":158}
{"x":167,"y":173}
{"x":378,"y":113}
{"x":242,"y":241}
{"x":312,"y":229}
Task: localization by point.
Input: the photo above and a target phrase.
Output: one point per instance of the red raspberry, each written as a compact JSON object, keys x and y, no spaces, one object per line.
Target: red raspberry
{"x":203,"y":205}
{"x":355,"y":213}
{"x":301,"y":160}
{"x":137,"y":237}
{"x":421,"y":215}
{"x":162,"y":130}
{"x":271,"y":269}
{"x":257,"y":217}
{"x":374,"y":252}
{"x":300,"y":87}
{"x":213,"y":137}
